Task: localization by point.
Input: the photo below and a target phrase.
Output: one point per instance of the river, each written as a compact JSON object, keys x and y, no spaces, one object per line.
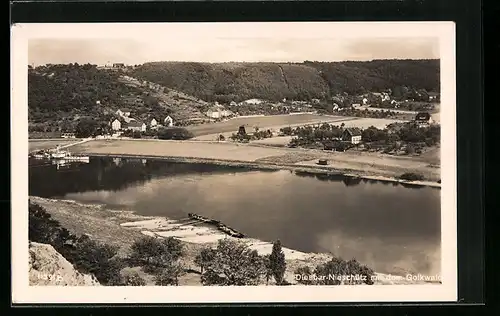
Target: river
{"x":388,"y":226}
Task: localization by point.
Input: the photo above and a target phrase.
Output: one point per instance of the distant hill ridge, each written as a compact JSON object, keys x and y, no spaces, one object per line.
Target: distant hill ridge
{"x":234,"y":81}
{"x":59,"y":95}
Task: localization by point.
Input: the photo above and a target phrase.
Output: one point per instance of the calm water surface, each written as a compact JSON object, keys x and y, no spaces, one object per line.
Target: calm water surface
{"x":390,"y":227}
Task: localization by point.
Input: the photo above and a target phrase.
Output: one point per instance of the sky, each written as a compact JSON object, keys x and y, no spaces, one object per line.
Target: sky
{"x":253,"y":43}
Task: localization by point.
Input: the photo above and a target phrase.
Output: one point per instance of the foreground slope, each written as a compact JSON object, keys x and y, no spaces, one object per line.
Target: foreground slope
{"x":48,"y":267}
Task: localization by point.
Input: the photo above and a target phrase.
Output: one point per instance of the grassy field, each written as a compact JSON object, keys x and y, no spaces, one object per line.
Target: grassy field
{"x":360,"y":163}
{"x":262,"y":122}
{"x":39,"y":144}
{"x":189,"y":149}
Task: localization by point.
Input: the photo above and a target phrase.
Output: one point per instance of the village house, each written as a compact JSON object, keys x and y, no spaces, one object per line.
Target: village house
{"x":433,"y":96}
{"x":68,"y":135}
{"x":116,"y":125}
{"x":153,"y":123}
{"x":352,"y":135}
{"x":168,"y":121}
{"x":225,"y":113}
{"x":423,"y":119}
{"x":213,"y":113}
{"x":253,"y":101}
{"x":118,"y":65}
{"x":233,"y":103}
{"x":136,"y":126}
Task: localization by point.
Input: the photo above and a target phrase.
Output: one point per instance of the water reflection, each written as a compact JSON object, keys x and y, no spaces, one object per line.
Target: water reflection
{"x":387,"y":225}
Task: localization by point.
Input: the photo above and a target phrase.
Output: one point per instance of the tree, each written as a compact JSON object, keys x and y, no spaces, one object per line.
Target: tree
{"x":277,"y":262}
{"x":86,"y":128}
{"x":154,"y":254}
{"x":204,"y":257}
{"x":233,"y":264}
{"x":177,"y":133}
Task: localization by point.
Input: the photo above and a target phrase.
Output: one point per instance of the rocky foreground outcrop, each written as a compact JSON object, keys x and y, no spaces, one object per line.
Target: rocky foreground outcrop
{"x":49,"y":267}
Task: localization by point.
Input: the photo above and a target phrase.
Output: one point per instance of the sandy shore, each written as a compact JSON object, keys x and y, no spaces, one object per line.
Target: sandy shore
{"x":122,"y":228}
{"x":360,"y":164}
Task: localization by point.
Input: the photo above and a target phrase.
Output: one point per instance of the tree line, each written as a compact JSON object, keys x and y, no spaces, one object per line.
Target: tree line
{"x":407,"y":136}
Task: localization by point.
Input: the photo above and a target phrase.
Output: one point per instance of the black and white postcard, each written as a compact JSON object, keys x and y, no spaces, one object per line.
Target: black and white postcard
{"x":233,"y":162}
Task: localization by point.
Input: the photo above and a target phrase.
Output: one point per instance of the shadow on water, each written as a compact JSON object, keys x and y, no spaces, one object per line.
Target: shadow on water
{"x":349,"y":181}
{"x":111,"y":174}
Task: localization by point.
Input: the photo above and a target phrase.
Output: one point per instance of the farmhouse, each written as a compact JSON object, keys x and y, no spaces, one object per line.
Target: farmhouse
{"x":153,"y":123}
{"x":423,"y":119}
{"x":168,"y":121}
{"x":217,"y":113}
{"x":116,"y":125}
{"x":352,"y":135}
{"x":136,"y":126}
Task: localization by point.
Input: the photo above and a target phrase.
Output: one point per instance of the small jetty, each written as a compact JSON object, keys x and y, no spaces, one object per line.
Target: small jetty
{"x":57,"y":154}
{"x":220,"y":226}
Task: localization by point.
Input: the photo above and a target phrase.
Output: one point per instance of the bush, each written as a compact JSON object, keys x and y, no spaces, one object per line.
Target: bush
{"x":136,"y":134}
{"x":287,"y":131}
{"x":133,"y":279}
{"x":177,"y":133}
{"x":410,"y":176}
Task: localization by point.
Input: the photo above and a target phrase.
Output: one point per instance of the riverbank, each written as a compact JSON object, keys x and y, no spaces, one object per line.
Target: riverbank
{"x":122,"y":228}
{"x":363,"y":165}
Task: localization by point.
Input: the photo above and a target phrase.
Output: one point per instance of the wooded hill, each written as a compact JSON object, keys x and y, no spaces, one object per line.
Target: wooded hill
{"x":225,"y":82}
{"x":58,"y":95}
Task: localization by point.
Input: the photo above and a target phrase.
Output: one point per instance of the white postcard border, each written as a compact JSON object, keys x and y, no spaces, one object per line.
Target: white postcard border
{"x":23,"y":293}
